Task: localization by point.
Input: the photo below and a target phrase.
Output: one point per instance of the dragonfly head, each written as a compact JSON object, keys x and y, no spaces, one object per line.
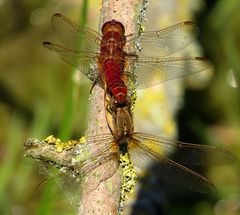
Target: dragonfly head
{"x":113,"y":25}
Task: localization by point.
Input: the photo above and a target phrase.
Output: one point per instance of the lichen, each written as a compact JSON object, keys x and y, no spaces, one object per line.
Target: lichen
{"x":129,"y":177}
{"x":141,"y":18}
{"x":59,"y":145}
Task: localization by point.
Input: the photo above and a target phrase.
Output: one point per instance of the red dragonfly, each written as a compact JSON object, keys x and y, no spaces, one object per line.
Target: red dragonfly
{"x":142,"y":58}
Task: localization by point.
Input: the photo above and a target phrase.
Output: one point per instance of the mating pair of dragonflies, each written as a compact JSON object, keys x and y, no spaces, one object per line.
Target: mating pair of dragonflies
{"x":114,"y":61}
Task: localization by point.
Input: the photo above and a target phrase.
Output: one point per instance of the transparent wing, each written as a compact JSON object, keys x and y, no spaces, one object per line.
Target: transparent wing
{"x":75,"y":37}
{"x":88,"y":158}
{"x":185,"y":153}
{"x":59,"y":187}
{"x":146,"y":149}
{"x":149,"y":71}
{"x":171,"y":172}
{"x":98,"y":150}
{"x":85,"y":62}
{"x":163,"y":42}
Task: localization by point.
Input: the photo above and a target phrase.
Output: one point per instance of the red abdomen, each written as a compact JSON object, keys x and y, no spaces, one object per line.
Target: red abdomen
{"x":112,"y":69}
{"x":112,"y":59}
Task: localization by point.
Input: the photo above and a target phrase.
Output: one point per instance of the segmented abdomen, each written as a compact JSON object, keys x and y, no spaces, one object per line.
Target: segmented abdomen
{"x":112,"y":69}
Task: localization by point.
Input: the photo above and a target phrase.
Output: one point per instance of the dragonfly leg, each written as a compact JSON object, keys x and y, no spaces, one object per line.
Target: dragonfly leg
{"x":94,"y":83}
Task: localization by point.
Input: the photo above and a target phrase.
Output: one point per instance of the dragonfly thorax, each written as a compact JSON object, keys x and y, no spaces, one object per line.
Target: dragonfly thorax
{"x":124,"y":123}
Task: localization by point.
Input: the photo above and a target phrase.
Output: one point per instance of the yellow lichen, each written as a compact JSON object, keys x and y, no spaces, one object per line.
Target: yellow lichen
{"x":129,"y":177}
{"x":82,"y":140}
{"x":59,"y":145}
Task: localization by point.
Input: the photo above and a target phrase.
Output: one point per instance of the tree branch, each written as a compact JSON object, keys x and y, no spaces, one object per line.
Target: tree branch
{"x":104,"y":200}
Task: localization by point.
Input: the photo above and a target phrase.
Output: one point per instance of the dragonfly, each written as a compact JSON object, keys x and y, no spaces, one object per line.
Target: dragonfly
{"x":145,"y":149}
{"x":130,"y":149}
{"x":113,"y":60}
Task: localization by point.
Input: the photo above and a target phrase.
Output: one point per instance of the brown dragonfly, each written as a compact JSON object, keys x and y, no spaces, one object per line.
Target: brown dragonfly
{"x":174,"y":159}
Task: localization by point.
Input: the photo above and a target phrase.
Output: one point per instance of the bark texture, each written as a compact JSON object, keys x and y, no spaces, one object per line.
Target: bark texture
{"x":105,"y":199}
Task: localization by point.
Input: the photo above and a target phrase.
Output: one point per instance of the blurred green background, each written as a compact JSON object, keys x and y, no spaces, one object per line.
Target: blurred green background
{"x":41,"y":95}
